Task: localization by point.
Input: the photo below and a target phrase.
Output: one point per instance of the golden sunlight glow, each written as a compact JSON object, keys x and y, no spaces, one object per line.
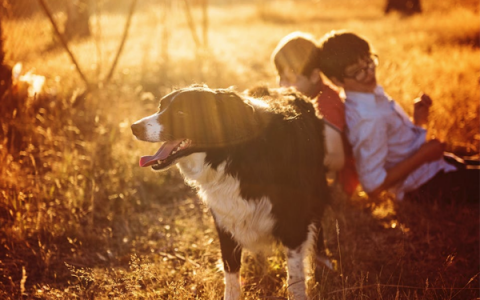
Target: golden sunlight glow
{"x":383,"y":210}
{"x":79,"y":216}
{"x":30,"y":82}
{"x":257,"y":102}
{"x":393,"y":224}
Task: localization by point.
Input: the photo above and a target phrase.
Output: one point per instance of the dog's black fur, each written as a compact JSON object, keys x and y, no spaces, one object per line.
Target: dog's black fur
{"x":273,"y":145}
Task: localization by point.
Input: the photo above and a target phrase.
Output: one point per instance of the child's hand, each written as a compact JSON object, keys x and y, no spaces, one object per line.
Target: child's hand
{"x":432,"y":150}
{"x":421,"y":108}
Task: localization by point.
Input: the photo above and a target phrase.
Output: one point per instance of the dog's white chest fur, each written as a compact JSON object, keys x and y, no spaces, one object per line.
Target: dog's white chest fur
{"x":249,"y":221}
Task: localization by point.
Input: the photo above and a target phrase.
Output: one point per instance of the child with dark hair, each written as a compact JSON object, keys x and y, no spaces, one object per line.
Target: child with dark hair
{"x":390,"y":150}
{"x":297,"y":61}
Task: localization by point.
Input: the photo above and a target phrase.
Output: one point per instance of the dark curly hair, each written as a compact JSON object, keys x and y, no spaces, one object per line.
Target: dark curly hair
{"x":340,"y":49}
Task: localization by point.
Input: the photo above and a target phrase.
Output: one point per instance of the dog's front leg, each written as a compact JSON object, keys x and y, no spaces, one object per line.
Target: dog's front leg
{"x":232,"y":256}
{"x":296,"y":273}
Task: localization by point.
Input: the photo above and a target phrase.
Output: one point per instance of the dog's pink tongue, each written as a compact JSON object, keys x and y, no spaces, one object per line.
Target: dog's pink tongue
{"x":161,"y":154}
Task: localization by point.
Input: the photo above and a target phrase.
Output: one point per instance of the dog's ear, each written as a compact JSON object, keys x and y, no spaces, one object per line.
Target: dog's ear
{"x":239,"y":117}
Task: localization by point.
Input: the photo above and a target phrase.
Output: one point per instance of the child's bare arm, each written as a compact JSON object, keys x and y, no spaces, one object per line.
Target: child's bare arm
{"x":430,"y":151}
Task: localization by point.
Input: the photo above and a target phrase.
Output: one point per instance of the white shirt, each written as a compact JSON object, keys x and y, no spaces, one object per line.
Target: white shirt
{"x":382,"y":135}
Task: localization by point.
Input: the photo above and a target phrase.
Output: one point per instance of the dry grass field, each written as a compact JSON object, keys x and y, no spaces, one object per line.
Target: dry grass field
{"x":80,"y":220}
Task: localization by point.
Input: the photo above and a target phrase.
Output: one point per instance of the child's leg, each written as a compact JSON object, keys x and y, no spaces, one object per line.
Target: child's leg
{"x":462,"y":185}
{"x":462,"y":162}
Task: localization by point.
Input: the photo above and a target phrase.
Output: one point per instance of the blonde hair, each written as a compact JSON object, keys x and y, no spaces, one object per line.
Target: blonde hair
{"x":297,"y":51}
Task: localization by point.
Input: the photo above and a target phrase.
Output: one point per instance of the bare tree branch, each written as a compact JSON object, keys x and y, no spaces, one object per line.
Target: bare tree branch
{"x":191,"y":24}
{"x":205,"y":22}
{"x":63,"y":41}
{"x":122,"y":43}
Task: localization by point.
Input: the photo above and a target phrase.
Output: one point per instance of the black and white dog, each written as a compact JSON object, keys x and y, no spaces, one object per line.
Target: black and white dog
{"x":257,"y":163}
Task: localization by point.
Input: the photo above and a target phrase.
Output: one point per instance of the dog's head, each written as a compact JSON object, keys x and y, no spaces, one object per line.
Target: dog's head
{"x":195,"y":119}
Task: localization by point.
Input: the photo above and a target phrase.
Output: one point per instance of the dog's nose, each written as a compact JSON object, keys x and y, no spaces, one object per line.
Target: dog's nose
{"x":136,"y":129}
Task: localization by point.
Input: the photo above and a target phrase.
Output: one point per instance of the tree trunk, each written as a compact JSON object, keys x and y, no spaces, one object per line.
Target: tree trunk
{"x":78,"y":16}
{"x":5,"y":71}
{"x":407,"y":7}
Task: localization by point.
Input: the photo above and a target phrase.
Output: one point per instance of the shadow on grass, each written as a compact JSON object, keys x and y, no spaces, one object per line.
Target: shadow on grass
{"x":406,"y":250}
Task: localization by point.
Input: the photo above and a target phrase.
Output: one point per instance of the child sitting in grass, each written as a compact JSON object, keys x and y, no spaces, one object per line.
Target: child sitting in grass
{"x":297,"y":62}
{"x":390,"y":150}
